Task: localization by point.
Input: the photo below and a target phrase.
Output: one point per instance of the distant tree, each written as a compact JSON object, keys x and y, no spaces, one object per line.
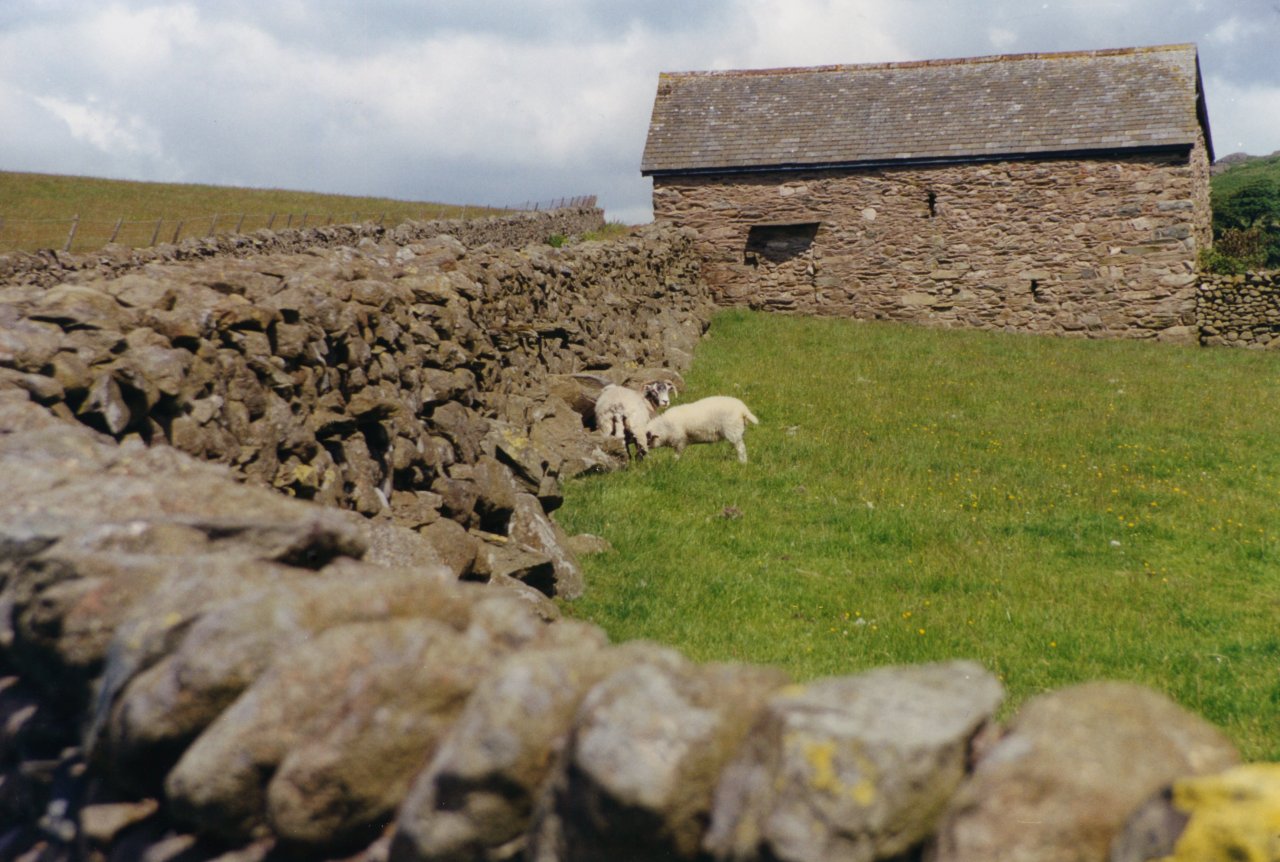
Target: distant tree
{"x":1246,"y":227}
{"x":1252,"y":204}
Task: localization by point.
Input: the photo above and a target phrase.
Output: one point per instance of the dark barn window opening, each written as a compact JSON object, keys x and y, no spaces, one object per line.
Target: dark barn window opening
{"x":779,"y":242}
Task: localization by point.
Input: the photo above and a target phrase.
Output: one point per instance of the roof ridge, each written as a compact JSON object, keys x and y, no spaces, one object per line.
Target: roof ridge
{"x":954,"y":61}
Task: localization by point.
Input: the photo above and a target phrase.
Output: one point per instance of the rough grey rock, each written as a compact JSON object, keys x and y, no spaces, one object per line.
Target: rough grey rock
{"x":856,"y":768}
{"x":99,"y":528}
{"x":497,"y":492}
{"x":646,"y":750}
{"x":532,"y":527}
{"x":1069,"y":769}
{"x":294,"y":725}
{"x":154,"y":702}
{"x":475,"y":799}
{"x":342,"y":784}
{"x":397,"y":547}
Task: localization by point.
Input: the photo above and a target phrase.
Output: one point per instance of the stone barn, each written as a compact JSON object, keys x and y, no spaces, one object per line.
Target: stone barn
{"x":1064,"y":193}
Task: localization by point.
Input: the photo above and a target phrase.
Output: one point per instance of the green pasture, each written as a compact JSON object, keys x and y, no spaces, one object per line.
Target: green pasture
{"x":37,"y":211}
{"x":1058,"y":510}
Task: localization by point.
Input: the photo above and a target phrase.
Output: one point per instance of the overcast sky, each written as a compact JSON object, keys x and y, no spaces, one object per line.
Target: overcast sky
{"x":472,"y":101}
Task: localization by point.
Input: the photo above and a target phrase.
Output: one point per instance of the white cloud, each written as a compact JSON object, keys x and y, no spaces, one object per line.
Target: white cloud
{"x":1243,"y":118}
{"x":1232,"y":31}
{"x":1002,"y":39}
{"x":787,"y":33}
{"x":103,"y":129}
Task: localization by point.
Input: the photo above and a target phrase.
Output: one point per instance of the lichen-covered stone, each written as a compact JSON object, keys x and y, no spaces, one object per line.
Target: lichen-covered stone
{"x":1050,"y":789}
{"x":1223,"y":817}
{"x":858,"y":767}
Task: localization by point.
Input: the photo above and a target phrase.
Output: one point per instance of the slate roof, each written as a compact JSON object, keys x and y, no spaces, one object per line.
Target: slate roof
{"x":1017,"y":105}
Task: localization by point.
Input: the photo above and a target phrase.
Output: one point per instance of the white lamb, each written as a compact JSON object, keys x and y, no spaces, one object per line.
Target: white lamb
{"x":719,"y":417}
{"x":625,"y":413}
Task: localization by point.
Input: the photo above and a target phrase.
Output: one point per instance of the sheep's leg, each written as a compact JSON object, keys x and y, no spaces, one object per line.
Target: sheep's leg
{"x":742,"y":451}
{"x":629,"y":439}
{"x":632,"y":439}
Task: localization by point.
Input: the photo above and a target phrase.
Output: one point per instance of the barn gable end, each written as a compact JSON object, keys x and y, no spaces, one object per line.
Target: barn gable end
{"x":1043,"y":192}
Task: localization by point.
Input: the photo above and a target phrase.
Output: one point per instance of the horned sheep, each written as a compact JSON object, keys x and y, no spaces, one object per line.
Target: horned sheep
{"x":624,"y":413}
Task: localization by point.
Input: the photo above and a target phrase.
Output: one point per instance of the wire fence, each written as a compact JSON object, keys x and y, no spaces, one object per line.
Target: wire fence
{"x":87,"y":233}
{"x":556,"y":204}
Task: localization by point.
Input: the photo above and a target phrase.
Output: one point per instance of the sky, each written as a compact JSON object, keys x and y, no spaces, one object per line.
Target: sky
{"x":499,"y":102}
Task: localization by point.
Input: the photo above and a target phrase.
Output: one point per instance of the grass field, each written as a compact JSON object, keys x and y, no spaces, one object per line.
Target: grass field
{"x":1058,"y":510}
{"x":36,"y":210}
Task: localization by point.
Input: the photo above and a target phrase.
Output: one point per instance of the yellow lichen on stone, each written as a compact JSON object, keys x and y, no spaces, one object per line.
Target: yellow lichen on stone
{"x":515,"y":439}
{"x":824,"y":776}
{"x":864,"y":792}
{"x":1235,"y":815}
{"x":821,"y":759}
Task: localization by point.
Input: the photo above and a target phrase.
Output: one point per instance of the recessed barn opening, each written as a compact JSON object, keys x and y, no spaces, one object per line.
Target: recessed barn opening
{"x":780,"y":242}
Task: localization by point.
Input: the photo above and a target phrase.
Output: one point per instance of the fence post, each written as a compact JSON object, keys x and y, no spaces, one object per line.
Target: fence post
{"x":155,"y":234}
{"x":271,"y":221}
{"x":115,"y":231}
{"x":71,"y":235}
{"x":303,"y":224}
{"x":177,"y":231}
{"x":213,"y":224}
{"x":240,"y":223}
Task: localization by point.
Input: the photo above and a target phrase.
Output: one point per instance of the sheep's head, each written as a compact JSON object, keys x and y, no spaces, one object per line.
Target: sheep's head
{"x":660,"y":392}
{"x":657,"y":433}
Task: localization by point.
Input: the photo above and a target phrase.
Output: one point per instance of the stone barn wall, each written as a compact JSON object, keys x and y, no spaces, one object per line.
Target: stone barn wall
{"x":1081,"y":247}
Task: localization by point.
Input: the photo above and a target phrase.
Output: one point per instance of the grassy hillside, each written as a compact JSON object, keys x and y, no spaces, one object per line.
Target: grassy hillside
{"x":36,"y":210}
{"x":1058,"y":510}
{"x":1238,"y":176}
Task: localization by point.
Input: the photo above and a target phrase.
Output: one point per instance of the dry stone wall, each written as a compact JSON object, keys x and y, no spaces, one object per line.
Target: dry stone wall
{"x":51,"y":267}
{"x":323,"y":631}
{"x":197,"y":668}
{"x":1240,"y":310}
{"x":1087,"y":248}
{"x":401,"y":381}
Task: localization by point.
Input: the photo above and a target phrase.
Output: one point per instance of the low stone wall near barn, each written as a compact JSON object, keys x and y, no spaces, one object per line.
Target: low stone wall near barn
{"x":1240,"y":310}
